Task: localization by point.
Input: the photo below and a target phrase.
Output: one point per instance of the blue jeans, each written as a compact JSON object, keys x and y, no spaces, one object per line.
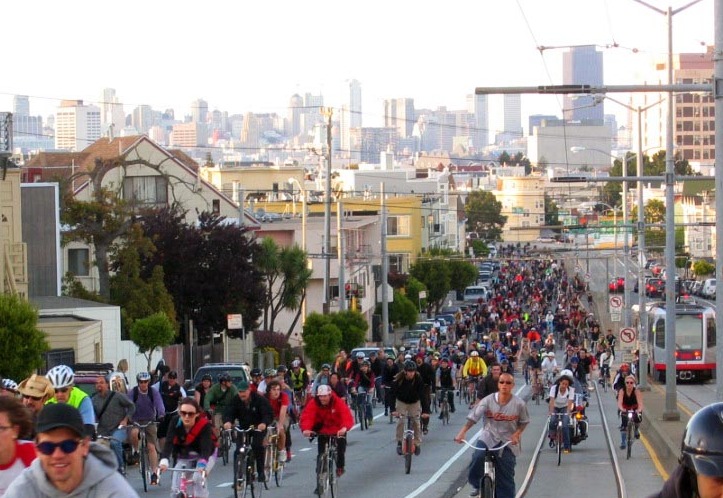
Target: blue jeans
{"x":565,"y":427}
{"x":117,"y":446}
{"x":504,"y":471}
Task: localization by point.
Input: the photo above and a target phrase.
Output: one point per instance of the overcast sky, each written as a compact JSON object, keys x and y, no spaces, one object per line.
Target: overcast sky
{"x":253,"y":55}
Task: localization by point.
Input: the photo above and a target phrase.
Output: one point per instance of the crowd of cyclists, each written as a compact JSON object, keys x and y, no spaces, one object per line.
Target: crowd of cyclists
{"x":532,"y":311}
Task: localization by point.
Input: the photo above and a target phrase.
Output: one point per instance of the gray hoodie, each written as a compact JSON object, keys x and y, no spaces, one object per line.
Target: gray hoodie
{"x":100,"y":479}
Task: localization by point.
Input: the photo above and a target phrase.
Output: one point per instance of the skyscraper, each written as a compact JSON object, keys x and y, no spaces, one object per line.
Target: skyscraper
{"x":512,"y":109}
{"x":199,"y":111}
{"x":351,"y":117}
{"x":478,"y":106}
{"x":582,"y":66}
{"x":399,"y":114}
{"x":76,"y":125}
{"x":21,"y":105}
{"x":111,"y":112}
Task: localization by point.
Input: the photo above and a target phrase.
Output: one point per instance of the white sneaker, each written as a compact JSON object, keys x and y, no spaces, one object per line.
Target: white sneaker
{"x":282,"y":456}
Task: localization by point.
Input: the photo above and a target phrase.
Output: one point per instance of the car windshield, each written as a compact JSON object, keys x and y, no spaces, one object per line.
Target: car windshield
{"x":237,"y":374}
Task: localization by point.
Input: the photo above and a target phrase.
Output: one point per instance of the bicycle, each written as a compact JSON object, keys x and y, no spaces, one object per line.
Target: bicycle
{"x":470,"y":392}
{"x":444,"y":406}
{"x":361,"y":408}
{"x":488,"y":483}
{"x":408,"y":446}
{"x":107,"y":441}
{"x":326,"y":478}
{"x":605,"y":377}
{"x":537,"y":390}
{"x":186,"y":485}
{"x":244,"y":465}
{"x":630,"y":432}
{"x":224,"y":446}
{"x":144,"y":462}
{"x":271,"y":459}
{"x":558,"y":440}
{"x":433,"y":401}
{"x":460,"y":387}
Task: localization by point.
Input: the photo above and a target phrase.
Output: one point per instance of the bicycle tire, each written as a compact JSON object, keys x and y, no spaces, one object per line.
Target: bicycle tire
{"x":239,"y":476}
{"x":256,"y":487}
{"x":488,"y":487}
{"x":332,"y":475}
{"x":322,"y":474}
{"x":559,"y":444}
{"x":143,"y":465}
{"x":279,"y":474}
{"x":433,"y":399}
{"x":269,"y":458}
{"x":409,"y":451}
{"x":225,"y":443}
{"x":360,"y":416}
{"x":630,"y":439}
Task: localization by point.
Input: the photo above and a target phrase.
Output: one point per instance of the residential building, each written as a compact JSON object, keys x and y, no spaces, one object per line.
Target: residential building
{"x":583,"y":65}
{"x":76,"y":125}
{"x":523,"y":202}
{"x":13,"y":250}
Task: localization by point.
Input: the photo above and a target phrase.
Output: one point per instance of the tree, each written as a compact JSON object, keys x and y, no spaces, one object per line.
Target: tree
{"x":413,"y":288}
{"x":151,"y":333}
{"x":402,"y":311}
{"x":208,"y":268}
{"x":702,"y":268}
{"x":484,"y":216}
{"x":552,"y":212}
{"x":353,"y":328}
{"x":436,"y":275}
{"x":462,"y":274}
{"x":286,"y":277}
{"x":322,"y":339}
{"x":22,"y":344}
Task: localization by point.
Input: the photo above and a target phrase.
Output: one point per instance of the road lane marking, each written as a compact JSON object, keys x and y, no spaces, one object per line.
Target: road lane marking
{"x":682,"y":407}
{"x":654,"y":457}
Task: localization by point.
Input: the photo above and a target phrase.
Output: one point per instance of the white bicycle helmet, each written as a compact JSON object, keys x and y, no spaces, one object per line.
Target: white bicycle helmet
{"x":61,"y":376}
{"x":10,"y":385}
{"x":143,"y":376}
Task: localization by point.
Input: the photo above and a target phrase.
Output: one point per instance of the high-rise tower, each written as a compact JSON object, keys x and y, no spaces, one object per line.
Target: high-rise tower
{"x":351,"y":117}
{"x":582,"y":66}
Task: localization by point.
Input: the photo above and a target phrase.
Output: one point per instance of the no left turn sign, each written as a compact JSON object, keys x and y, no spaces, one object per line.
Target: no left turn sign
{"x":616,"y":302}
{"x":627,"y":335}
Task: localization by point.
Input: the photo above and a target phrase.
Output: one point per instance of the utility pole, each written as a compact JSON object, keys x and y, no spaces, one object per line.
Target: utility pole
{"x":340,"y":256}
{"x":385,"y":270}
{"x":642,"y":312}
{"x":718,"y":95}
{"x":327,"y":112}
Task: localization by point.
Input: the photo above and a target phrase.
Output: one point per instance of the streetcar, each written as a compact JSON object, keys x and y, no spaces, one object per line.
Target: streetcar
{"x":695,"y":340}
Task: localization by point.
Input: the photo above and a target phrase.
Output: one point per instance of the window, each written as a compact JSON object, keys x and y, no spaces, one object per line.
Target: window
{"x":146,"y":189}
{"x":79,"y":262}
{"x":398,"y":263}
{"x":398,"y":226}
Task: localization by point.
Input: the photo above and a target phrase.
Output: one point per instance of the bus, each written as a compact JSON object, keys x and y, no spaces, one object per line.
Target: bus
{"x":695,"y":340}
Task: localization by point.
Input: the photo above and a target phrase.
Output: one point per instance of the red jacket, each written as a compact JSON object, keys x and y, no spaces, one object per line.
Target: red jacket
{"x":326,"y":420}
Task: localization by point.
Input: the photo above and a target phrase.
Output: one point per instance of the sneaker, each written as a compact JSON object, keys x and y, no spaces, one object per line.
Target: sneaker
{"x":637,"y":434}
{"x":399,"y":447}
{"x":288,"y":456}
{"x":154,"y":479}
{"x":417,"y":449}
{"x":282,"y":456}
{"x":474,"y":493}
{"x":566,"y":451}
{"x":622,"y":446}
{"x":440,"y":416}
{"x":452,"y":410}
{"x":261,"y":478}
{"x":425,"y":431}
{"x":339,"y":471}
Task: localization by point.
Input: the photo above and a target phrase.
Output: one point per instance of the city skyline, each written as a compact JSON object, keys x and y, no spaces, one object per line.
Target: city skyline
{"x":414,"y":57}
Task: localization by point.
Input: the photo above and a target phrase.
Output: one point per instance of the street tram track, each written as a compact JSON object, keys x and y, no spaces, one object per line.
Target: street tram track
{"x":611,"y":449}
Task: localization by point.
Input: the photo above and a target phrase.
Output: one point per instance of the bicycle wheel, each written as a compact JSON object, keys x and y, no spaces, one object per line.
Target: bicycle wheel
{"x":257,"y":488}
{"x":239,"y":476}
{"x":445,"y":412}
{"x":360,"y":415}
{"x":333,"y":480}
{"x":630,"y":438}
{"x":488,"y":487}
{"x":408,"y":451}
{"x":278,"y":473}
{"x":433,"y":402}
{"x":225,"y":443}
{"x":322,"y":474}
{"x":143,"y":465}
{"x":559,"y":444}
{"x":269,"y":459}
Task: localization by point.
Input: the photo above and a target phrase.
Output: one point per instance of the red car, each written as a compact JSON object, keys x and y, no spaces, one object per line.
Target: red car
{"x":617,"y":285}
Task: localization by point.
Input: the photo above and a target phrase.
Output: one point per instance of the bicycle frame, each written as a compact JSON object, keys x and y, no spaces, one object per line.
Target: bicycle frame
{"x":186,"y":482}
{"x":629,"y":429}
{"x":244,"y":461}
{"x":143,"y":454}
{"x":326,"y":479}
{"x":488,"y":483}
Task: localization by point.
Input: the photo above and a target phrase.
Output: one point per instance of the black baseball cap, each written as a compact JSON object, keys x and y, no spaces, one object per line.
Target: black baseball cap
{"x":60,"y":415}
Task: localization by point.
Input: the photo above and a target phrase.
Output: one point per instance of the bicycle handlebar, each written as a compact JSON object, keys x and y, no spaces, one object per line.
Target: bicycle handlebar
{"x":497,"y":448}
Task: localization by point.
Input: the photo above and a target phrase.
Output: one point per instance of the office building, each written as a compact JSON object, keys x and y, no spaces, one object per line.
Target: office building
{"x":512,"y":113}
{"x":199,"y":111}
{"x":582,"y":66}
{"x":142,"y":119}
{"x":351,"y":117}
{"x":76,"y":125}
{"x":399,"y":114}
{"x":111,"y":112}
{"x":478,"y":106}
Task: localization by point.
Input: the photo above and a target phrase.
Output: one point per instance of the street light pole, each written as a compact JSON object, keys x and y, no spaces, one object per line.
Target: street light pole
{"x":302,"y":190}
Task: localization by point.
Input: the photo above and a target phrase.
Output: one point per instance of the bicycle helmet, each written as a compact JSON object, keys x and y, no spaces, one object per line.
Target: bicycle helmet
{"x":282,"y":369}
{"x":410,"y":366}
{"x":366,"y":363}
{"x":295,"y":363}
{"x":61,"y":376}
{"x":207,"y":377}
{"x":270,"y":372}
{"x":326,"y":366}
{"x":474,"y":353}
{"x":224,"y":377}
{"x":702,"y":447}
{"x":10,"y":385}
{"x":256,"y":372}
{"x":360,"y":355}
{"x":566,"y":374}
{"x":143,"y":376}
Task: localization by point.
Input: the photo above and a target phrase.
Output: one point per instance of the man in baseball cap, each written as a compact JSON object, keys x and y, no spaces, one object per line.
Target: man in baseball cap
{"x":68,"y":462}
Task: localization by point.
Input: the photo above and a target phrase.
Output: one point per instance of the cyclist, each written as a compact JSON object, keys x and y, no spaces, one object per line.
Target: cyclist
{"x":257,"y":376}
{"x":630,"y":398}
{"x":338,"y":386}
{"x":472,"y":369}
{"x":219,"y":397}
{"x":445,"y":376}
{"x":113,"y":410}
{"x":408,"y":399}
{"x":426,"y":371}
{"x":190,"y":443}
{"x":250,"y":409}
{"x":62,"y":378}
{"x":505,"y":418}
{"x":605,"y":364}
{"x":389,"y":371}
{"x":619,"y":379}
{"x":326,"y":415}
{"x":299,"y":379}
{"x":171,"y":393}
{"x":699,"y":473}
{"x":549,"y":367}
{"x":149,"y":407}
{"x":376,"y":365}
{"x":490,"y":383}
{"x":279,"y":402}
{"x":362,"y":383}
{"x":562,"y":400}
{"x":610,"y":341}
{"x":36,"y":390}
{"x":322,"y":378}
{"x":9,"y":388}
{"x":203,"y":388}
{"x":16,"y":452}
{"x":534,"y":366}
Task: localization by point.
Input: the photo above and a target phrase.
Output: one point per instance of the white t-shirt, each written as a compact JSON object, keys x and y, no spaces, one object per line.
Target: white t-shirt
{"x":562,"y":399}
{"x":24,"y":456}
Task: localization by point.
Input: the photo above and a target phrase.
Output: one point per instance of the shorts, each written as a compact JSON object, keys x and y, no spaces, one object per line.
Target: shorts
{"x":151,"y":433}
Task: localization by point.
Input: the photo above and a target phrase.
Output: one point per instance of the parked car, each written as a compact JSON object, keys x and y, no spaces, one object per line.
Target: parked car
{"x":411,"y":338}
{"x":367,"y":351}
{"x":696,"y":288}
{"x":617,"y":285}
{"x":87,"y":373}
{"x":708,"y":290}
{"x":655,"y":287}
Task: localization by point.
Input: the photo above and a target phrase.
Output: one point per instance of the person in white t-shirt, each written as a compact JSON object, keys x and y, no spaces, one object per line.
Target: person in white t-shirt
{"x":562,"y":400}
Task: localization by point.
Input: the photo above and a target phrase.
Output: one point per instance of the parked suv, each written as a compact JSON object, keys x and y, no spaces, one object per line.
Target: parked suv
{"x":87,"y":373}
{"x":238,"y":372}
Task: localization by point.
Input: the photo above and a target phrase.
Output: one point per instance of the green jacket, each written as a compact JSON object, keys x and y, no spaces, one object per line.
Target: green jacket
{"x":219,"y":398}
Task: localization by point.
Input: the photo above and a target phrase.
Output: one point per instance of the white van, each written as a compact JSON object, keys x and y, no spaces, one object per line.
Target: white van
{"x":474,"y":292}
{"x":708,"y":289}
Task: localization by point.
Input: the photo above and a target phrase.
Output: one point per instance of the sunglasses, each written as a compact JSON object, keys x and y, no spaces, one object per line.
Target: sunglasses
{"x":187,"y":414}
{"x":143,"y":381}
{"x":505,"y":382}
{"x":630,"y":382}
{"x":68,"y":446}
{"x":62,"y":390}
{"x":34,"y":398}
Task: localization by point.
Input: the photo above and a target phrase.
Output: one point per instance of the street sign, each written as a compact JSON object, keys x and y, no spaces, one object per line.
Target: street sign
{"x":627,"y":335}
{"x":422,"y":294}
{"x":616,"y":308}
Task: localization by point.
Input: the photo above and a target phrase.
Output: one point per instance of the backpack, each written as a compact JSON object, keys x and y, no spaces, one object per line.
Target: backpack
{"x":474,"y":368}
